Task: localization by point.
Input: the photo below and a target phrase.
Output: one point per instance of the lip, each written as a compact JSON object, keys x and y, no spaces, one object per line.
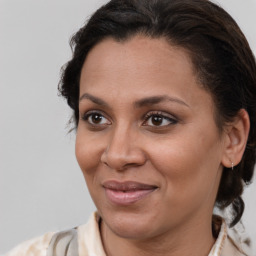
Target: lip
{"x":129,"y":192}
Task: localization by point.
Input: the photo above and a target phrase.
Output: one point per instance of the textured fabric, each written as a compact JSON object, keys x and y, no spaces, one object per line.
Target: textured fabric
{"x":89,"y":238}
{"x":34,"y":247}
{"x":64,"y":243}
{"x":90,"y":244}
{"x":224,"y":245}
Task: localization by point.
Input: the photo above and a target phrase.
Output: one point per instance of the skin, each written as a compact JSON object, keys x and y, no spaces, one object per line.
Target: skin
{"x":182,"y":155}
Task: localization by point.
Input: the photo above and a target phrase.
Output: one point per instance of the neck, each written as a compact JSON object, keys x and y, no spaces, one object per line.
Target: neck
{"x":182,"y":241}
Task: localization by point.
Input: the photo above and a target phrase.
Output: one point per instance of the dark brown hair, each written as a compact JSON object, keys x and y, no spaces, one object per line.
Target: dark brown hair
{"x":222,"y":58}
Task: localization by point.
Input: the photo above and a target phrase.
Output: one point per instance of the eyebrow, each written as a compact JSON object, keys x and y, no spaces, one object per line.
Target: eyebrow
{"x":94,"y":99}
{"x":158,"y":99}
{"x":138,"y":104}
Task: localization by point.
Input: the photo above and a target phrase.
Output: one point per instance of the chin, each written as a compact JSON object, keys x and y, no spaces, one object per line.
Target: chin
{"x":130,"y":230}
{"x":127,"y":225}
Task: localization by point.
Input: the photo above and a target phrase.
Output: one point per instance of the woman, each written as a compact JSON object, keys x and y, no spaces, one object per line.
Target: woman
{"x":164,"y":101}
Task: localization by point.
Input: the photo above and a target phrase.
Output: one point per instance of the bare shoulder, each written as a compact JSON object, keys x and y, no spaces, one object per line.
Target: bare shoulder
{"x":36,"y":246}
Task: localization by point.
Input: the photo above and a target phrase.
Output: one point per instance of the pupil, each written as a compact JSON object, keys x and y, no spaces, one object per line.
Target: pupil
{"x":157,"y":120}
{"x":96,"y":118}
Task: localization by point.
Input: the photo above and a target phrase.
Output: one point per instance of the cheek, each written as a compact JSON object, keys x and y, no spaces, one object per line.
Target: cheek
{"x":87,"y":153}
{"x":189,"y":166}
{"x":88,"y":158}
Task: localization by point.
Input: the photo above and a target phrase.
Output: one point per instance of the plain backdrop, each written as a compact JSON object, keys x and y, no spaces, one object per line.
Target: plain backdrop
{"x":41,"y":186}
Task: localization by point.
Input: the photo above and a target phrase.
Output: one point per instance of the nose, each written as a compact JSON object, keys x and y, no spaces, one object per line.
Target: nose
{"x":123,"y":150}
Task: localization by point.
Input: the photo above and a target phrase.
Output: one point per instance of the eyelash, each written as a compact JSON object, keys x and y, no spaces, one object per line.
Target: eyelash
{"x":164,"y":116}
{"x":90,"y":114}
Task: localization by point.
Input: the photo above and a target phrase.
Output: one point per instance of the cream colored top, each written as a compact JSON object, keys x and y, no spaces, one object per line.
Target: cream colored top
{"x":90,"y":244}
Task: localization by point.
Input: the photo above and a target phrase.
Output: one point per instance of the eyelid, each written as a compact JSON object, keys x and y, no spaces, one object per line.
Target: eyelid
{"x":85,"y":116}
{"x":173,"y":119}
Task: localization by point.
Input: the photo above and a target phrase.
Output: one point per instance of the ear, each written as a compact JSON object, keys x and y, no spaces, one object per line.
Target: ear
{"x":236,"y":135}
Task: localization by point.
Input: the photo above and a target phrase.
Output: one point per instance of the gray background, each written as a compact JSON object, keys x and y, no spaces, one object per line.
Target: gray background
{"x":41,"y":186}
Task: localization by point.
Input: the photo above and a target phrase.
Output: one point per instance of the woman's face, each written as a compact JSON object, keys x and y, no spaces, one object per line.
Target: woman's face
{"x":147,"y":142}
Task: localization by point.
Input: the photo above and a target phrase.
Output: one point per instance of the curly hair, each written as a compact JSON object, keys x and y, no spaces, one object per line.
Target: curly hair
{"x":221,"y":56}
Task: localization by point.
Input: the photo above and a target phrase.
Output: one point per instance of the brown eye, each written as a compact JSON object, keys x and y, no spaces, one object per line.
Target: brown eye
{"x":157,"y":120}
{"x":96,"y":118}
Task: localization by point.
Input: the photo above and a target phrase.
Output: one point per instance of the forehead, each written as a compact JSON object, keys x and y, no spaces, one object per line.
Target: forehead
{"x":139,"y":58}
{"x":137,"y":53}
{"x":140,"y":64}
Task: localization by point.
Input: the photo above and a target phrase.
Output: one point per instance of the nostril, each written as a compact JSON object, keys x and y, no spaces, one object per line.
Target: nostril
{"x":119,"y":157}
{"x":105,"y":163}
{"x":130,"y":165}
